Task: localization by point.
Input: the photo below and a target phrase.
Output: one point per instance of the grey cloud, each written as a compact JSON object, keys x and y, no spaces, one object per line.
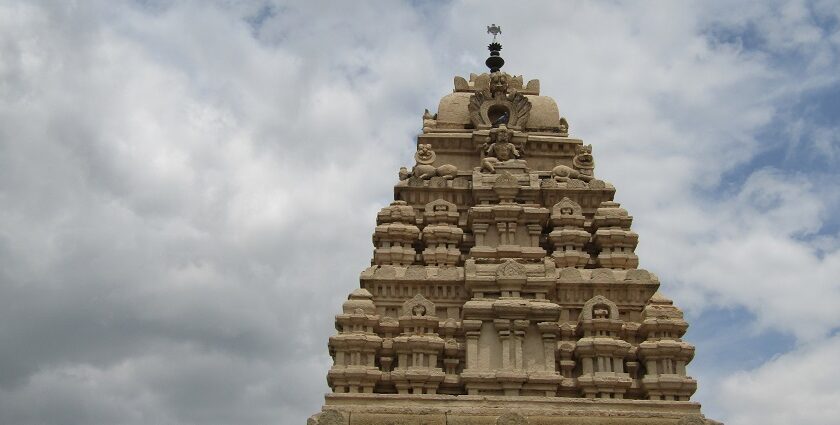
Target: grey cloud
{"x":187,"y":195}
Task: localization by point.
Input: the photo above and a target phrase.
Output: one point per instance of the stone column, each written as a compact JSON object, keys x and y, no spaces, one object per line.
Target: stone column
{"x":534,"y":232}
{"x":520,"y":327}
{"x":480,"y":232}
{"x":651,"y":367}
{"x":681,"y":367}
{"x":549,"y":338}
{"x":472,"y":330}
{"x":501,"y":227}
{"x":503,"y":328}
{"x":618,"y":365}
{"x":586,"y":365}
{"x":511,"y":227}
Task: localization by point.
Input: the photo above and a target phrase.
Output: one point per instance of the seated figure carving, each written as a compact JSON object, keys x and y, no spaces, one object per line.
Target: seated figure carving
{"x":500,"y":150}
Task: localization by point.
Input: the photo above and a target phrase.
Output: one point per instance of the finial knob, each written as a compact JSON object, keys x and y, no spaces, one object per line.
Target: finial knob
{"x":495,"y":61}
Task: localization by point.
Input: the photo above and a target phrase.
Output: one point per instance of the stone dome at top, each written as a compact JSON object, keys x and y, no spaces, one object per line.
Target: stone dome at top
{"x":454,"y":113}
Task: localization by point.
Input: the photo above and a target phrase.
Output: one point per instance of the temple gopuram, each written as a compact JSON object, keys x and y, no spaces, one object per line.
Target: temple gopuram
{"x":504,"y":288}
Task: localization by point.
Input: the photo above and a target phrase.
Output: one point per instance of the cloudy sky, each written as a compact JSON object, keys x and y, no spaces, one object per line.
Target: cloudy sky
{"x":187,"y":189}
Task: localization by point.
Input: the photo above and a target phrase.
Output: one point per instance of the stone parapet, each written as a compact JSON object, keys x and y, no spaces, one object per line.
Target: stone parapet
{"x":386,"y":409}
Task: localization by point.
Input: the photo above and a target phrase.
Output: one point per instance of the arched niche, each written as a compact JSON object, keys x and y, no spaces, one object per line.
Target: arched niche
{"x":440,"y":205}
{"x":597,"y":301}
{"x":566,"y":207}
{"x":418,"y":306}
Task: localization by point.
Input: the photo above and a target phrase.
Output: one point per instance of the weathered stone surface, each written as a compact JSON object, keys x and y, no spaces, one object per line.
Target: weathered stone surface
{"x":692,"y":420}
{"x":504,"y":286}
{"x":383,"y":409}
{"x":331,"y":417}
{"x":397,"y":419}
{"x":511,"y":418}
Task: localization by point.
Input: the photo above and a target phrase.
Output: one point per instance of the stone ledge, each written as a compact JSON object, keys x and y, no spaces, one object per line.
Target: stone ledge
{"x":564,"y":406}
{"x":375,"y":409}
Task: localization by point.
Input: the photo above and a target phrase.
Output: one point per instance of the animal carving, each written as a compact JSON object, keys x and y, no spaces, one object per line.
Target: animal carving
{"x":582,"y":168}
{"x":583,"y":160}
{"x":564,"y":173}
{"x":424,"y":167}
{"x":429,"y":120}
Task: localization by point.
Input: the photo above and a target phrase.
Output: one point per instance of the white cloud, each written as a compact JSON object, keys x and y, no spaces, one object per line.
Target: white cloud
{"x":754,"y":250}
{"x":797,"y":387}
{"x":188,"y":190}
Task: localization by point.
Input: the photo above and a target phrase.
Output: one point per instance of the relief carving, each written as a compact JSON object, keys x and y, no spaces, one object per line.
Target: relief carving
{"x":424,"y":168}
{"x":500,"y":149}
{"x":418,"y":306}
{"x":583,"y":166}
{"x":500,"y":103}
{"x":511,"y":419}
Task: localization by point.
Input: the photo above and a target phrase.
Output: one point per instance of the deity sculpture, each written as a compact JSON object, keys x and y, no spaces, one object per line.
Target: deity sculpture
{"x":499,"y":150}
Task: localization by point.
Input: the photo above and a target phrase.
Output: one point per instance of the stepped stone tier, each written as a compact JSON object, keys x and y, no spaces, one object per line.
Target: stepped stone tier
{"x":504,"y":287}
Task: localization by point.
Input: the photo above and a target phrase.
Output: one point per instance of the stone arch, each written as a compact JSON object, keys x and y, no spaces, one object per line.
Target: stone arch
{"x":482,"y":103}
{"x":439,"y":204}
{"x":561,"y":208}
{"x":511,"y":270}
{"x":586,"y":313}
{"x":418,"y":303}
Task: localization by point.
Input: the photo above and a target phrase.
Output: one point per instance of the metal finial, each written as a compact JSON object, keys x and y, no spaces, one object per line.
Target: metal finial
{"x":495,"y":61}
{"x":495,"y":30}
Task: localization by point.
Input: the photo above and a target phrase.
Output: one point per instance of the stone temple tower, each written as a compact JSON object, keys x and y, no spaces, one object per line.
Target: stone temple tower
{"x":504,"y":287}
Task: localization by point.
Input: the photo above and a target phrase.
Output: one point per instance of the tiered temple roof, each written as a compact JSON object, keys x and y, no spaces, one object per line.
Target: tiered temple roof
{"x":504,"y":286}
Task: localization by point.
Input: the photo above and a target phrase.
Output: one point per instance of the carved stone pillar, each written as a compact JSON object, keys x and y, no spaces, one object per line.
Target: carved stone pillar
{"x":503,"y":328}
{"x":480,"y":232}
{"x":472,"y":330}
{"x":520,"y":327}
{"x":548,"y":331}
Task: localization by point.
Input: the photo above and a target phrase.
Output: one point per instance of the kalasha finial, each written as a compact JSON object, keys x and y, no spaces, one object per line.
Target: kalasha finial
{"x":495,"y":30}
{"x":494,"y":62}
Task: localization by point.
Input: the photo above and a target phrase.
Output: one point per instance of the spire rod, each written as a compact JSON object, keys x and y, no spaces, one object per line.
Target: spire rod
{"x":495,"y":61}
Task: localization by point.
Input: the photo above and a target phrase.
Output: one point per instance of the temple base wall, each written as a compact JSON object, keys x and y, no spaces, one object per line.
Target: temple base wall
{"x":396,"y":409}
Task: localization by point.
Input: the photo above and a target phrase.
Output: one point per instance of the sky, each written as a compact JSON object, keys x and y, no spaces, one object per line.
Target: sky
{"x":188,"y":189}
